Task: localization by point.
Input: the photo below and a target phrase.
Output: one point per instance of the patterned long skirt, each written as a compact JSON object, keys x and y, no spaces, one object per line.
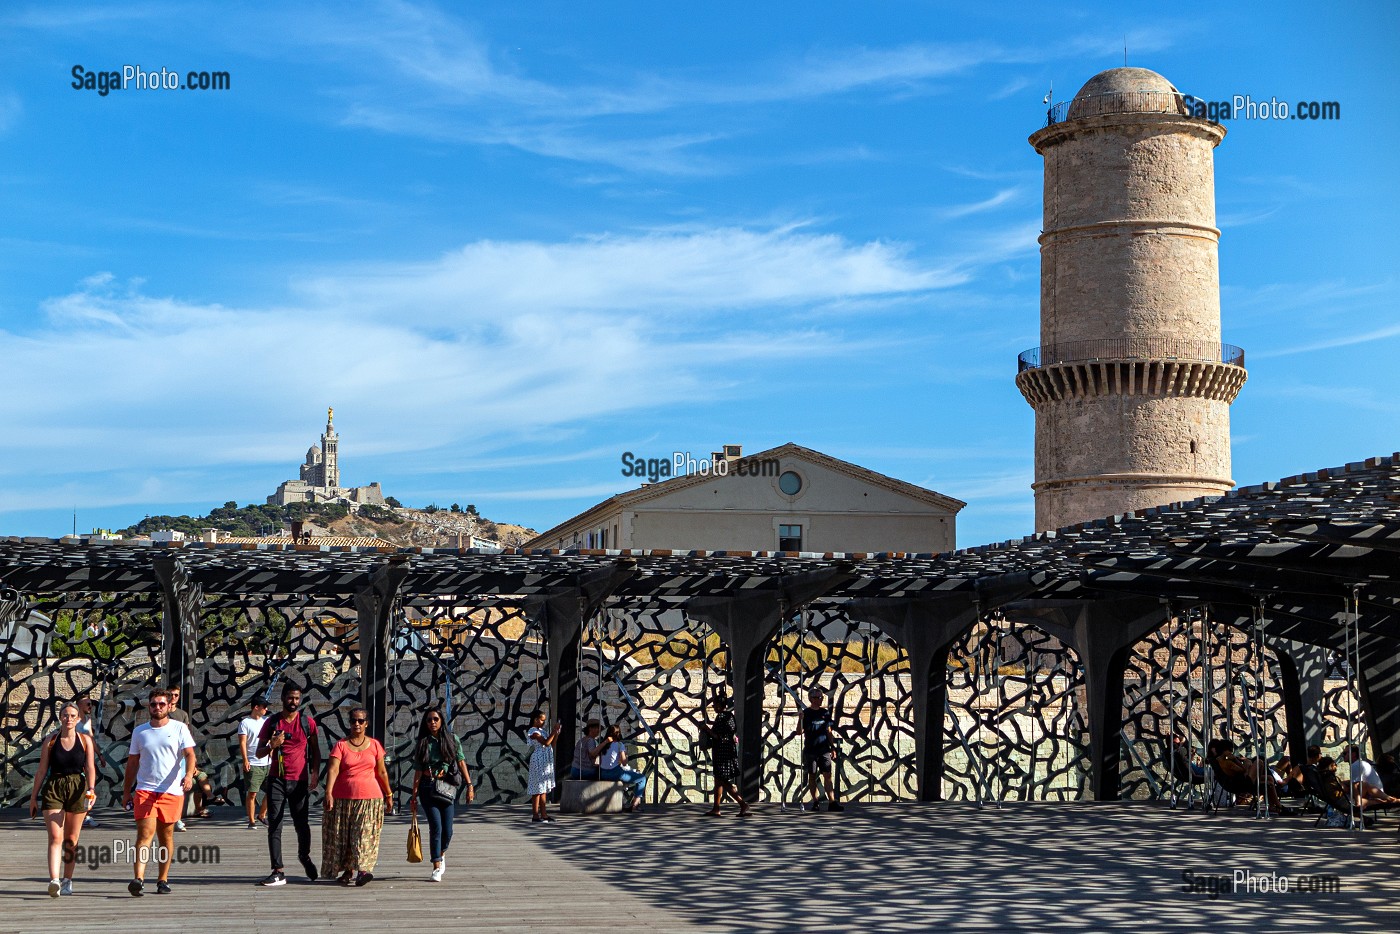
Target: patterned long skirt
{"x":350,"y":836}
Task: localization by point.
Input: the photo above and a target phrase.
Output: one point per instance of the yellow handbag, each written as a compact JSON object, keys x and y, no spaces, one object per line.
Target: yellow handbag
{"x":415,"y":841}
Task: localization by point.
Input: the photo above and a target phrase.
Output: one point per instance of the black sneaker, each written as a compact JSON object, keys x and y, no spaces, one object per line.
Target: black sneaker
{"x":135,"y":887}
{"x":162,"y":888}
{"x":364,"y":878}
{"x":833,"y":806}
{"x":277,"y":878}
{"x":310,"y":868}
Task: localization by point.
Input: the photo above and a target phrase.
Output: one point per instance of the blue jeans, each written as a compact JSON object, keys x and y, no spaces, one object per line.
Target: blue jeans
{"x":591,"y":775}
{"x":635,"y":782}
{"x":439,"y":818}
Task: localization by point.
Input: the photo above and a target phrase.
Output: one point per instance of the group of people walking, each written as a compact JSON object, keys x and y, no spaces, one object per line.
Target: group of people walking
{"x":281,"y":762}
{"x":280,"y":757}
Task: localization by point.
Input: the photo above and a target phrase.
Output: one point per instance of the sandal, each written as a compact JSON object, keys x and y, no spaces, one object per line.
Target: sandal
{"x":713,"y":814}
{"x":202,"y":812}
{"x":347,"y":877}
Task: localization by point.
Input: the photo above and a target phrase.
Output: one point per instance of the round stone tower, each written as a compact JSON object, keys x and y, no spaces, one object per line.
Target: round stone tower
{"x":1131,"y":385}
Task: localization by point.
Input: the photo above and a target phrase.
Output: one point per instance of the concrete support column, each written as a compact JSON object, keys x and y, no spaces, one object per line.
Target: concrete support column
{"x":746,"y":622}
{"x":1103,"y":632}
{"x":560,"y":616}
{"x":181,"y":602}
{"x":926,"y":629}
{"x":1301,"y":670}
{"x":374,"y":609}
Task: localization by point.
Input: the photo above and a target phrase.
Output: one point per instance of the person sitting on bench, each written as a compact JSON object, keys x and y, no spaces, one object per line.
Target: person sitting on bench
{"x":1362,"y":769}
{"x":586,"y":753}
{"x":1241,"y":777}
{"x":613,"y":762}
{"x":1342,"y":794}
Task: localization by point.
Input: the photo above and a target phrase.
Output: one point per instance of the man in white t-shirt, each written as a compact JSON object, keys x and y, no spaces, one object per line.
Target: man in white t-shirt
{"x":1362,"y":769}
{"x":159,"y":770}
{"x":254,"y":766}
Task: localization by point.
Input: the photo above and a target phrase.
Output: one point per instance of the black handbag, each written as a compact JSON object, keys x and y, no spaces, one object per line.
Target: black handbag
{"x":442,"y":791}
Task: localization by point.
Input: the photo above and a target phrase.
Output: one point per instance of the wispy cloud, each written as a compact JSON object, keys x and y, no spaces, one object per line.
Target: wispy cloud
{"x":988,"y":204}
{"x":1348,"y":340}
{"x":495,"y":341}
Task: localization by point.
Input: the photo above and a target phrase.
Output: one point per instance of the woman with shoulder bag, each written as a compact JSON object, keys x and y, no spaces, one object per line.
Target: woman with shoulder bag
{"x":440,"y":767}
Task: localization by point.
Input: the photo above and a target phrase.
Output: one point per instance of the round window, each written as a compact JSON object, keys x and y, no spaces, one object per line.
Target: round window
{"x":790,"y":483}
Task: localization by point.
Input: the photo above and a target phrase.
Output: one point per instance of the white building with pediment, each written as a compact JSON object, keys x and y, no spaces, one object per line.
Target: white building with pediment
{"x":789,"y":498}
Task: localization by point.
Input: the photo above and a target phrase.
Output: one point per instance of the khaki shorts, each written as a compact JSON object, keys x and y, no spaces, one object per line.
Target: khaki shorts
{"x":64,"y":793}
{"x":253,"y":781}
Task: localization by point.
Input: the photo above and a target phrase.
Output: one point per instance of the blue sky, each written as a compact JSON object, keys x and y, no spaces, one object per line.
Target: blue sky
{"x":510,"y":241}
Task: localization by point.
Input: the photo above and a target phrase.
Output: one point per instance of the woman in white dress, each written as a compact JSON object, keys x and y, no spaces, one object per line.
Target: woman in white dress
{"x":541,"y":782}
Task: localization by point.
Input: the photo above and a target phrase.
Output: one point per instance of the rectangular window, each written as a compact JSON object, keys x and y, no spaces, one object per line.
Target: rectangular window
{"x":789,"y":538}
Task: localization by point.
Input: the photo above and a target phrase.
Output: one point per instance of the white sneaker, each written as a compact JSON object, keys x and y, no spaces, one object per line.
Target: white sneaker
{"x":437,"y":874}
{"x":179,"y":826}
{"x":66,"y":887}
{"x":53,"y":888}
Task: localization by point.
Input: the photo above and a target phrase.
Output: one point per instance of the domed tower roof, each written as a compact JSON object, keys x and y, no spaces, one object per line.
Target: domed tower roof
{"x":1126,"y":90}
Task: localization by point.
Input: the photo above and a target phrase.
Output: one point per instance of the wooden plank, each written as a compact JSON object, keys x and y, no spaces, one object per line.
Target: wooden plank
{"x":882,"y":867}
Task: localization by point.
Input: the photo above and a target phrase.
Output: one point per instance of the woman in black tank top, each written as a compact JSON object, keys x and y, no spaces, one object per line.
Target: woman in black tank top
{"x":64,"y":780}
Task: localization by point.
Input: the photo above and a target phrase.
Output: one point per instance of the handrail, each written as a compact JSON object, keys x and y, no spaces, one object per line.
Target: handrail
{"x":1122,"y":102}
{"x":1130,"y":348}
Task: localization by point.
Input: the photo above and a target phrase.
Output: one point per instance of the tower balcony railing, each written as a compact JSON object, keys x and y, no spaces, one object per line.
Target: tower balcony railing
{"x":1130,"y":348}
{"x":1122,"y":102}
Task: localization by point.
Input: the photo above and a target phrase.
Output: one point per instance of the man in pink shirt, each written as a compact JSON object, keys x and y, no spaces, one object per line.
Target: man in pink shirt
{"x":290,"y":738}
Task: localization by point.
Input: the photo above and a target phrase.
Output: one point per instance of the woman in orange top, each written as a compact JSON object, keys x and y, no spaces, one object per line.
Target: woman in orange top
{"x":357,"y":797}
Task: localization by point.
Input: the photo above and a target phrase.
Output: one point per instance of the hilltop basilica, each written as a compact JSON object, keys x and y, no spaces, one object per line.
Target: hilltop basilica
{"x":320,"y":477}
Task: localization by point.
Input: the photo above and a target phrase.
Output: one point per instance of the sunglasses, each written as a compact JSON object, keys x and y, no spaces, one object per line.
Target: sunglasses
{"x":158,"y":703}
{"x":435,"y":719}
{"x":359,"y":719}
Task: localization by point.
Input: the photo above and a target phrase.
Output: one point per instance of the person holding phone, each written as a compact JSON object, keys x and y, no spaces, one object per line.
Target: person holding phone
{"x":541,"y":782}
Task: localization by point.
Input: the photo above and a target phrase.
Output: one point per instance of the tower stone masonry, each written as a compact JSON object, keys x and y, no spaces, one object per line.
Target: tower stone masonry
{"x":1131,"y":385}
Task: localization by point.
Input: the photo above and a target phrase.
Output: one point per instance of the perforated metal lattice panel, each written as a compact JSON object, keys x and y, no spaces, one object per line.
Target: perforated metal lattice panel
{"x":1015,"y":727}
{"x":865,"y":675}
{"x":1165,"y":688}
{"x":104,"y":645}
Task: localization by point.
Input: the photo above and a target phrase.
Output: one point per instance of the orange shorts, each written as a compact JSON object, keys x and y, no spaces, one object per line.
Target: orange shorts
{"x":165,"y":808}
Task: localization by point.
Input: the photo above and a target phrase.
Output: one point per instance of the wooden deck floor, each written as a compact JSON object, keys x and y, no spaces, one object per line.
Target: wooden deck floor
{"x":910,"y":867}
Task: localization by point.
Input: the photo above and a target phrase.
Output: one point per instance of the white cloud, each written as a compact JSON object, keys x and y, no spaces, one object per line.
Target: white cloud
{"x":708,"y":271}
{"x":485,"y":345}
{"x":979,"y":207}
{"x":1347,"y":340}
